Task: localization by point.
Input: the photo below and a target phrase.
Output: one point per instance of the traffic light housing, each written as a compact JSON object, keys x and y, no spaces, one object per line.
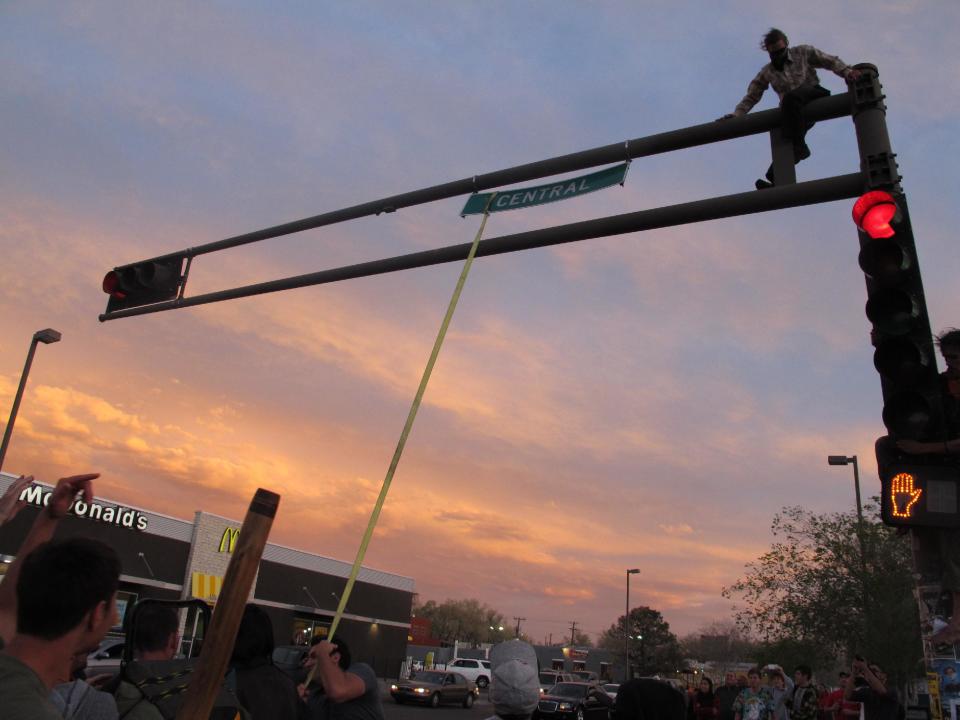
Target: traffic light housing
{"x":904,"y":351}
{"x":143,"y":283}
{"x":920,"y":495}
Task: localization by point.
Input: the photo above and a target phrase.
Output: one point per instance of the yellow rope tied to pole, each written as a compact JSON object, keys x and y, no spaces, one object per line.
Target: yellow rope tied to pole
{"x":411,"y":416}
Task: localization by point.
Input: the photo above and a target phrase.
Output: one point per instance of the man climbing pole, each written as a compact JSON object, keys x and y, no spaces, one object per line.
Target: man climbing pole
{"x":792,"y":73}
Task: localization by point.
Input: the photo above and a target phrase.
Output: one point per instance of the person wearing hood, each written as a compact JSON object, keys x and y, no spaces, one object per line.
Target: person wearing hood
{"x":792,"y":71}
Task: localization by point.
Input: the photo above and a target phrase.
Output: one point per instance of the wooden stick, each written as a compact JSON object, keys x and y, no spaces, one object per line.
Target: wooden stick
{"x":218,"y":642}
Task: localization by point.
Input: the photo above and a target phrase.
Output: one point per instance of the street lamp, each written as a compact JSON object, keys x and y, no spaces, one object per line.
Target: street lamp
{"x":46,"y":337}
{"x":626,"y":626}
{"x":852,"y":460}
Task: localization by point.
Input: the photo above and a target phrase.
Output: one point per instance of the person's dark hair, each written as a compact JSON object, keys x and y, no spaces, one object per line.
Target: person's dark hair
{"x":949,"y":338}
{"x":344,"y":650}
{"x":753,"y":671}
{"x":804,"y":670}
{"x":154,"y":626}
{"x":709,"y":683}
{"x":772,"y":36}
{"x":60,"y":582}
{"x":254,"y":637}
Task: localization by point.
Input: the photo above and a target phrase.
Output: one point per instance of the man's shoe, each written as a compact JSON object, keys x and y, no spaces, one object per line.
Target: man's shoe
{"x":801,"y":153}
{"x":763,"y":184}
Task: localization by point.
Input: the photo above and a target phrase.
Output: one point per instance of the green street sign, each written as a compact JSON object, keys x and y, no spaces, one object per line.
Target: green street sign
{"x":542,"y":194}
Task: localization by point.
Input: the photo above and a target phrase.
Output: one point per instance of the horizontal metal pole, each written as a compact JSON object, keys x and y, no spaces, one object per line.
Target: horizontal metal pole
{"x":716,"y":131}
{"x":776,"y":198}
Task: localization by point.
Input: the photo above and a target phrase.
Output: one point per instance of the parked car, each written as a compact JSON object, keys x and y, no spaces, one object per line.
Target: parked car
{"x":573,"y":701}
{"x":588,"y":676}
{"x":106,"y":658}
{"x":549,"y":678}
{"x":289,"y":659}
{"x":434,"y":687}
{"x":476,"y":670}
{"x":611,"y":689}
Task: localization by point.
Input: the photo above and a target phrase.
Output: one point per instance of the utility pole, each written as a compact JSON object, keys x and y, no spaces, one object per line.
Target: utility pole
{"x":573,"y":632}
{"x":518,"y":619}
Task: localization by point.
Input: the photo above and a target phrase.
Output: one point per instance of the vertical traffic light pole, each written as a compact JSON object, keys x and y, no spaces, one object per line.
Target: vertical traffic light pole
{"x":880,"y":172}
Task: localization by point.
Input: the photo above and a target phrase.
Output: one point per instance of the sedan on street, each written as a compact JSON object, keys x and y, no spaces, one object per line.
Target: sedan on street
{"x":434,"y":687}
{"x":573,"y":701}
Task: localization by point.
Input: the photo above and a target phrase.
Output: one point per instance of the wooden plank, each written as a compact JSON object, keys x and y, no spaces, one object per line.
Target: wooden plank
{"x":218,"y":644}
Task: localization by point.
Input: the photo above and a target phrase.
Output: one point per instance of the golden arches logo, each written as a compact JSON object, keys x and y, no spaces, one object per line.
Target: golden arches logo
{"x":228,"y":541}
{"x":903,"y":495}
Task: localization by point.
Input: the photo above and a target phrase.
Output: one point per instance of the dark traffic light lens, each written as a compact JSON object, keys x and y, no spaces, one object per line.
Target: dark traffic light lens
{"x":884,"y":261}
{"x":893,"y":311}
{"x":907,"y":415}
{"x":111,"y":285}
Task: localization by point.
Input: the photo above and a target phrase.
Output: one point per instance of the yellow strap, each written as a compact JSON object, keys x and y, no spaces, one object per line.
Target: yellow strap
{"x":375,"y":515}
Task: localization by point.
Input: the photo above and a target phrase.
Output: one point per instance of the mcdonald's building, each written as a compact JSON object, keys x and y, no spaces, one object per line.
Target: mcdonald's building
{"x":172,"y":558}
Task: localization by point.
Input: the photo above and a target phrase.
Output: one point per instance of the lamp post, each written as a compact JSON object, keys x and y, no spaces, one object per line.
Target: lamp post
{"x":852,"y":460}
{"x":626,"y":627}
{"x":46,"y":337}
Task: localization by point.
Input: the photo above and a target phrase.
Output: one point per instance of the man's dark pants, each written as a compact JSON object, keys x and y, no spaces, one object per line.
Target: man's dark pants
{"x":793,"y":126}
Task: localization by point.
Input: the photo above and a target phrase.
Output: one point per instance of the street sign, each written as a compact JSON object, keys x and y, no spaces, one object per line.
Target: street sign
{"x":542,"y":194}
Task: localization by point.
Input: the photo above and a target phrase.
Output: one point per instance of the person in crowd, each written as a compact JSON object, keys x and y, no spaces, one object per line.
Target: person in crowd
{"x":804,"y":704}
{"x":79,"y":699}
{"x":151,"y":687}
{"x":792,"y":71}
{"x":10,"y":502}
{"x":262,"y":688}
{"x":831,"y":703}
{"x":515,"y":680}
{"x":649,"y":699}
{"x":779,"y":693}
{"x":65,"y":602}
{"x":705,"y":703}
{"x":868,"y":685}
{"x":154,"y":640}
{"x":726,"y":694}
{"x":47,"y":520}
{"x":754,"y":702}
{"x":350,"y":690}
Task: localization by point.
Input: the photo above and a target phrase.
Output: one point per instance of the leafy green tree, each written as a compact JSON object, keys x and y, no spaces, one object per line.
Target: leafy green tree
{"x":653,"y":647}
{"x":815,"y":593}
{"x":468,"y":621}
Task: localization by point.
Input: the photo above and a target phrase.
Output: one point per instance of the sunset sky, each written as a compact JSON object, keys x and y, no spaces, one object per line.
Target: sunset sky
{"x":648,"y":400}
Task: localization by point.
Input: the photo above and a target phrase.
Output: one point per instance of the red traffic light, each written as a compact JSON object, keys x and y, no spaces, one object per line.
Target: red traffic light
{"x":875,"y":213}
{"x":112,"y":285}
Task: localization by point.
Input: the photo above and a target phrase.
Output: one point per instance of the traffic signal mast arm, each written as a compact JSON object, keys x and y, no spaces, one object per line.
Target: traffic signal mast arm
{"x":766,"y":121}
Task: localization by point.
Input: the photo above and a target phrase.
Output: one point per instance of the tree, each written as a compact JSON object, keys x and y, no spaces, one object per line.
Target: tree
{"x":653,"y":648}
{"x":468,"y":621}
{"x":581,"y":639}
{"x":814,"y":593}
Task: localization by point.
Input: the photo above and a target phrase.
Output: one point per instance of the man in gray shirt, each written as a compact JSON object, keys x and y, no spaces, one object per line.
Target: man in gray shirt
{"x":350,"y":689}
{"x":66,"y":602}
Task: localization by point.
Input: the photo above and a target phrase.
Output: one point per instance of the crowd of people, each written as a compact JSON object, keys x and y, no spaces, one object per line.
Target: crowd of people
{"x":770,"y":694}
{"x":58,"y":600}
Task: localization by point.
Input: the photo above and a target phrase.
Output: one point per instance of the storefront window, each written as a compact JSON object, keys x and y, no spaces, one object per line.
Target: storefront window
{"x":305,"y":629}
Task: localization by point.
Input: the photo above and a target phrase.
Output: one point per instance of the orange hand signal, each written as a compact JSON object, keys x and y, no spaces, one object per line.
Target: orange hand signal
{"x":903,"y":496}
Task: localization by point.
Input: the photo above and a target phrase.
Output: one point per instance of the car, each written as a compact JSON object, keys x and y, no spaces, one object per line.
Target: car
{"x":472,"y":669}
{"x":434,"y":687}
{"x":106,"y":658}
{"x":611,"y":689}
{"x":549,"y":678}
{"x":573,"y":701}
{"x":586,"y":676}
